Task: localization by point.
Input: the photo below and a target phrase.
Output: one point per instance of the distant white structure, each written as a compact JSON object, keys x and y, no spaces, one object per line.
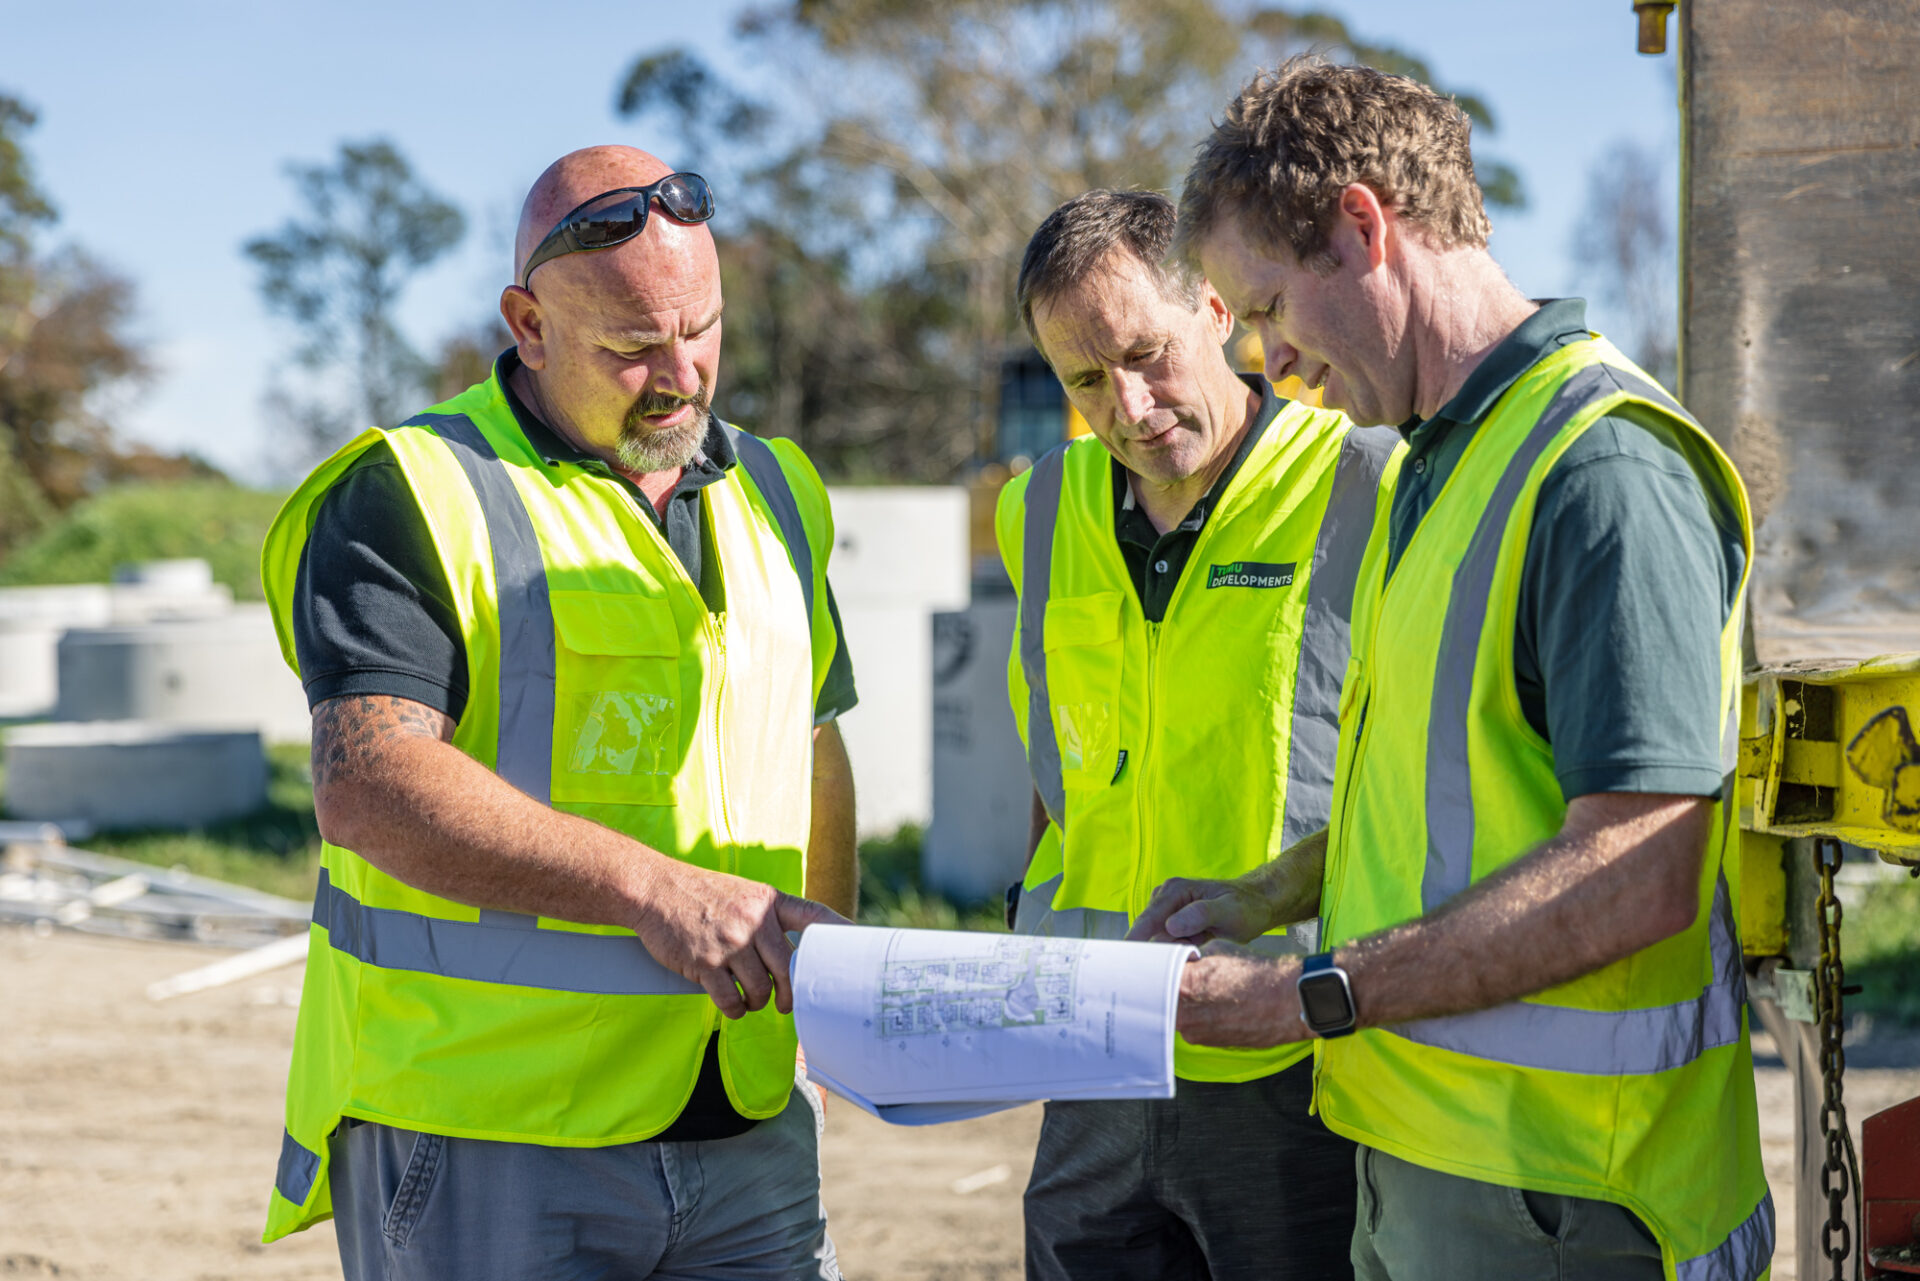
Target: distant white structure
{"x":982,"y":795}
{"x":900,"y":557}
{"x":32,"y":620}
{"x":118,"y":774}
{"x":221,"y":671}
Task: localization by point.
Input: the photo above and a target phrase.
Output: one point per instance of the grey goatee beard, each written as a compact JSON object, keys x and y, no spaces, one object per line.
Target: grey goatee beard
{"x":644,"y":450}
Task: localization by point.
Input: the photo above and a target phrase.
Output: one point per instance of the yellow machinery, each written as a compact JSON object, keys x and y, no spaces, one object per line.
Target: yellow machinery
{"x":1800,"y":350}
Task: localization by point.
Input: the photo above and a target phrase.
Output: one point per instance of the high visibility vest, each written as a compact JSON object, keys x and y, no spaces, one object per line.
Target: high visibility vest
{"x":1201,"y":745}
{"x":601,"y":685}
{"x":1633,"y":1084}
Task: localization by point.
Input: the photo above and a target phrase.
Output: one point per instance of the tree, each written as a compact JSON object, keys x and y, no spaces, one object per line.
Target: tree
{"x":63,"y":343}
{"x":338,"y":270}
{"x":1624,"y":249}
{"x":943,"y":135}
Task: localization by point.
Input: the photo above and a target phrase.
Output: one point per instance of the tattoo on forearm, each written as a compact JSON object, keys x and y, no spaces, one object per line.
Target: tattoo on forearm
{"x":349,"y":733}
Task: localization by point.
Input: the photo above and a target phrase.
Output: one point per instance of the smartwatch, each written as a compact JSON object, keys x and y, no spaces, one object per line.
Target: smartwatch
{"x":1326,"y":996}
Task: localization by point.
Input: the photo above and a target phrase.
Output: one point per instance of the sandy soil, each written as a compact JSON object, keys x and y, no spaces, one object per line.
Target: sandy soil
{"x":137,"y":1140}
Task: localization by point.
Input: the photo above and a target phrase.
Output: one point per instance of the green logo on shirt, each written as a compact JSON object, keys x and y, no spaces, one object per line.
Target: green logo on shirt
{"x":1249,"y":573}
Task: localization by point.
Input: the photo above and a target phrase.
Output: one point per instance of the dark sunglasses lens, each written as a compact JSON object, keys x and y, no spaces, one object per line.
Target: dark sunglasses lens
{"x":687,"y":197}
{"x":620,"y":220}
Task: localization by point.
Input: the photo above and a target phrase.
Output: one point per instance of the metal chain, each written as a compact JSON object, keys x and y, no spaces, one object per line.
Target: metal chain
{"x":1839,"y":1173}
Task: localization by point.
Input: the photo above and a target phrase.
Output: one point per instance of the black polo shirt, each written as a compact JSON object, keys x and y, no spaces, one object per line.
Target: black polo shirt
{"x":1155,"y":560}
{"x":1630,"y":569}
{"x":373,"y":614}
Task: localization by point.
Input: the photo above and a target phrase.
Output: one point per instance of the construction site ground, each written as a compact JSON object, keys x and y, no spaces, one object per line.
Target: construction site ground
{"x":137,"y":1139}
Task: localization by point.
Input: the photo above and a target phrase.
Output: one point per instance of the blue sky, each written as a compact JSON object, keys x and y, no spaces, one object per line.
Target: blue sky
{"x":165,"y":130}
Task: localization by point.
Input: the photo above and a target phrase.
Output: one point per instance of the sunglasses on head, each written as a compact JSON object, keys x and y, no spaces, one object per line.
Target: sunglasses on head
{"x":617,"y":216}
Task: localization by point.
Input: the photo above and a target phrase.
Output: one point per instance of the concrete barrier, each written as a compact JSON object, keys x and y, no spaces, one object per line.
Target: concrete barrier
{"x":131,"y":774}
{"x":982,"y":796}
{"x":900,"y":556}
{"x":31,"y":622}
{"x":225,"y":670}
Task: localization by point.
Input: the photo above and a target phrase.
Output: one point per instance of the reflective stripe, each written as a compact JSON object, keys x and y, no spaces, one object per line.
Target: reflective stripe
{"x":298,"y":1169}
{"x":764,"y":466}
{"x":1449,"y":798}
{"x":502,"y":947}
{"x":524,"y":753}
{"x":1325,"y":631}
{"x":1745,"y":1255}
{"x":1036,"y":914}
{"x":1036,"y":581}
{"x":1557,"y":1038}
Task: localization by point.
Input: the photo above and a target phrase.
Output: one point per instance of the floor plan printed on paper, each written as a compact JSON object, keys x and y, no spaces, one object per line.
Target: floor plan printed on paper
{"x":1024,"y":982}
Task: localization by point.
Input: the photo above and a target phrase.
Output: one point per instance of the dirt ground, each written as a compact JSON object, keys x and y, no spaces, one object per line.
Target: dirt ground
{"x":137,"y":1140}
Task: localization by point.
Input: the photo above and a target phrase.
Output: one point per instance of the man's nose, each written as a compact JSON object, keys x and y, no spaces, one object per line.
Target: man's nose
{"x":676,"y":374}
{"x":1133,"y":400}
{"x":1278,"y":357}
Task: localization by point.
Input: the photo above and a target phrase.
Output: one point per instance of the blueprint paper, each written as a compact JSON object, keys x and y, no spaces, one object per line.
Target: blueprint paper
{"x":920,"y":1026}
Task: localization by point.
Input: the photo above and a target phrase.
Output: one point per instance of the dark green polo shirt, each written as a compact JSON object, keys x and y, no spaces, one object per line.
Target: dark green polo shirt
{"x":1156,"y":560}
{"x":1629,"y":573}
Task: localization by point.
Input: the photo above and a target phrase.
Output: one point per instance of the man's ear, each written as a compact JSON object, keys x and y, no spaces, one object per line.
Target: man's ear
{"x":1214,"y":308}
{"x":1369,"y":225}
{"x":521,"y":310}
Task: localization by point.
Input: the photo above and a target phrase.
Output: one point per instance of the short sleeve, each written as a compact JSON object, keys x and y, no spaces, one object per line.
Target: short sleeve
{"x":837,"y":693}
{"x":372,"y":609}
{"x":1624,"y":595}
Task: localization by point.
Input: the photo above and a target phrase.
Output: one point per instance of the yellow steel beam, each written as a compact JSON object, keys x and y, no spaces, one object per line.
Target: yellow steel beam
{"x":1831,"y":751}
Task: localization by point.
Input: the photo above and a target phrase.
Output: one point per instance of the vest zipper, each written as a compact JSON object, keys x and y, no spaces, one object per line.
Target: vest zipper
{"x":1137,"y":894}
{"x":717,"y":634}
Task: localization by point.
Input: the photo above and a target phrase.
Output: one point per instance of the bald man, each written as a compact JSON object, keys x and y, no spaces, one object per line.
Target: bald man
{"x":574,"y":668}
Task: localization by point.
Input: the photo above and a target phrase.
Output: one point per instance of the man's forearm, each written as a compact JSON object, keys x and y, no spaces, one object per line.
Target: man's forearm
{"x":1592,"y":895}
{"x":833,"y":856}
{"x":1622,"y":875}
{"x":1290,"y":883}
{"x":390,"y":786}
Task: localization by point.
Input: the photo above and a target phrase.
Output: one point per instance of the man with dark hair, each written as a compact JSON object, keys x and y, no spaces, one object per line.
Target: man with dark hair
{"x":574,"y":667}
{"x":1184,"y":580}
{"x":1530,"y":994}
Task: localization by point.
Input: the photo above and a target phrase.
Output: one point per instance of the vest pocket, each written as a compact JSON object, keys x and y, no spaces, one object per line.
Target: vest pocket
{"x":1085,"y":662}
{"x":617,"y":699}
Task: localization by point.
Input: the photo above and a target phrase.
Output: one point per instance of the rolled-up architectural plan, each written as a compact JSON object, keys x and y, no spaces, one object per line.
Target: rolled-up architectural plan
{"x":922,"y":1026}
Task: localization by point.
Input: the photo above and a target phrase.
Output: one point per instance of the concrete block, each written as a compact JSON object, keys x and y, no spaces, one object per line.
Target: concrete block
{"x":982,"y":795}
{"x":222,"y":671}
{"x":31,"y":621}
{"x":900,"y":555}
{"x":900,"y":545}
{"x":131,"y":774}
{"x":157,"y":589}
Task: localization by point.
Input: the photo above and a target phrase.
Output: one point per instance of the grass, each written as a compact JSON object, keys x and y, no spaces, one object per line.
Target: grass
{"x":1880,"y":947}
{"x":276,"y":849}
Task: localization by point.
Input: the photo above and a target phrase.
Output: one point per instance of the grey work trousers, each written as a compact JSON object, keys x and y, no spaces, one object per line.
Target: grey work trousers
{"x":424,"y":1207}
{"x":1229,"y":1182}
{"x":1418,"y":1224}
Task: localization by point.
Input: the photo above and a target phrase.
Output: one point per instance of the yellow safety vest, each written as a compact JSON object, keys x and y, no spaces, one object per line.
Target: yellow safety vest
{"x":600,"y":685}
{"x":1633,"y":1084}
{"x":1201,"y":745}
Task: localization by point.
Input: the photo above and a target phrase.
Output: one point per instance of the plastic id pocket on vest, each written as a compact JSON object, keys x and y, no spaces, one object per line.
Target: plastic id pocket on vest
{"x":617,"y":699}
{"x":1085,"y":663}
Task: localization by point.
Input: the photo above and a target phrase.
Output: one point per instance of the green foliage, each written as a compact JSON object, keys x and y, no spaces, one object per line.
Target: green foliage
{"x":870,"y":244}
{"x":891,"y":893}
{"x":1880,"y":946}
{"x":337,"y":271}
{"x":218,"y":522}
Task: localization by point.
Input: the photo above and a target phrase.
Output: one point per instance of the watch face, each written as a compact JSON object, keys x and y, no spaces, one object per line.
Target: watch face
{"x":1323,"y":998}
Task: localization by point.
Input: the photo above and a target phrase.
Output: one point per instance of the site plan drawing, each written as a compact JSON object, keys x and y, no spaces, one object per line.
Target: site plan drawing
{"x":919,"y":1026}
